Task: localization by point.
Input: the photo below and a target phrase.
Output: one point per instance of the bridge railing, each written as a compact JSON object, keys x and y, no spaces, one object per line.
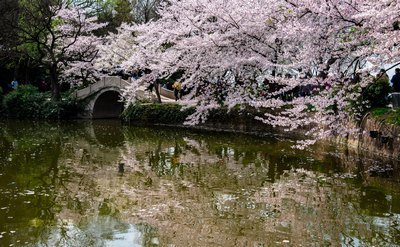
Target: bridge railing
{"x":116,"y":81}
{"x":110,"y":81}
{"x":166,"y":92}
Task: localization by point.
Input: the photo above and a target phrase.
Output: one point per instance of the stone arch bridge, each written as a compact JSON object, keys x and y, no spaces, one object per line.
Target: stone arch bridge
{"x":103,"y":98}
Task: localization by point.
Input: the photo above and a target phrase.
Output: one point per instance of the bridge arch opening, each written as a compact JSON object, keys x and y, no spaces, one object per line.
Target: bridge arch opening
{"x":108,"y":105}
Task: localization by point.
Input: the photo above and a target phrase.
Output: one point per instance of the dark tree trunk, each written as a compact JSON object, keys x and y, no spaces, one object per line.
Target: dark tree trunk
{"x":55,"y":87}
{"x":274,"y":61}
{"x":277,"y":49}
{"x":156,"y":87}
{"x":27,"y":71}
{"x":17,"y":70}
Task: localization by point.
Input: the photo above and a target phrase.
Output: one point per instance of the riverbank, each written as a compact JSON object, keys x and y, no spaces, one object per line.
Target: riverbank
{"x":236,"y":120}
{"x":379,"y":133}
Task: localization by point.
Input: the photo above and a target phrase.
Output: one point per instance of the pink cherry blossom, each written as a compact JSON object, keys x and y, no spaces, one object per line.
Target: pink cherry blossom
{"x":295,"y":59}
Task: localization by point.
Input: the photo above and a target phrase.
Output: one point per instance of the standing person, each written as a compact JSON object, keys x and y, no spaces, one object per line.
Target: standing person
{"x":177,"y":86}
{"x":396,"y":81}
{"x":14,"y":84}
{"x":382,"y":76}
{"x":135,"y":76}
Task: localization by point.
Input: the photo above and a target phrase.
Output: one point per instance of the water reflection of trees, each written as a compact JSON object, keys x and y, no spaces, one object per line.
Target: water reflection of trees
{"x":42,"y":167}
{"x":249,"y":167}
{"x":221,"y":188}
{"x":241,"y":166}
{"x":29,"y":164}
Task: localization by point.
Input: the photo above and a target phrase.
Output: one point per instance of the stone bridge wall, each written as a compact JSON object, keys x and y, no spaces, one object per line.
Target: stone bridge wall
{"x":106,"y":86}
{"x":105,"y":82}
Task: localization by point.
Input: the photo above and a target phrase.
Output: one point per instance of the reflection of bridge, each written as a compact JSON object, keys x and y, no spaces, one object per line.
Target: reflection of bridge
{"x":103,"y":98}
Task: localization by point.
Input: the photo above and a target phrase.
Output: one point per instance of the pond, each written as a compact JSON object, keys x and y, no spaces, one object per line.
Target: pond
{"x":105,"y":184}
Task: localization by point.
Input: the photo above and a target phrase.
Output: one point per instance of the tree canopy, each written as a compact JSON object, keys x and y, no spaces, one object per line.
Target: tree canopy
{"x":60,"y":38}
{"x":304,"y":61}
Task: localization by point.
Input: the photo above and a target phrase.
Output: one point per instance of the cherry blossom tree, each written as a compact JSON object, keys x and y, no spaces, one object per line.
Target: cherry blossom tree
{"x":302,"y":62}
{"x":75,"y":46}
{"x":60,"y":38}
{"x":116,"y":48}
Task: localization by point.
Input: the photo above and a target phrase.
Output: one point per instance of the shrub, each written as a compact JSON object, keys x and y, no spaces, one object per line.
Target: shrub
{"x":377,"y":93}
{"x":24,"y":102}
{"x":28,"y":102}
{"x":66,"y":108}
{"x":173,"y":114}
{"x":156,"y":113}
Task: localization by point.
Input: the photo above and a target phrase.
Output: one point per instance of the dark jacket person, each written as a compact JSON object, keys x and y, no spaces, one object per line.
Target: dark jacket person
{"x":396,"y":81}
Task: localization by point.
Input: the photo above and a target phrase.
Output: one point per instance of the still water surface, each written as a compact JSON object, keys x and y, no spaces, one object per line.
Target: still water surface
{"x":104,"y":184}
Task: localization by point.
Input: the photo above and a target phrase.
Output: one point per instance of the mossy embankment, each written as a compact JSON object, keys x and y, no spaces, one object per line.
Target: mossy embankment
{"x":241,"y":120}
{"x":379,"y":131}
{"x":236,"y":119}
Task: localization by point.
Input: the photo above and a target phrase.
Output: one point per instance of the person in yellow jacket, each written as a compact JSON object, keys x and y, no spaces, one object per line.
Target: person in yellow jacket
{"x":177,"y":86}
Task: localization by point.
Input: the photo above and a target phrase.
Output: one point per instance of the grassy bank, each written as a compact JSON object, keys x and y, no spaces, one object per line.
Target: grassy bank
{"x":387,"y":115}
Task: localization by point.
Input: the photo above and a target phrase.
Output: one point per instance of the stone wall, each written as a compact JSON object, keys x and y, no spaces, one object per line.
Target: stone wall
{"x":375,"y":137}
